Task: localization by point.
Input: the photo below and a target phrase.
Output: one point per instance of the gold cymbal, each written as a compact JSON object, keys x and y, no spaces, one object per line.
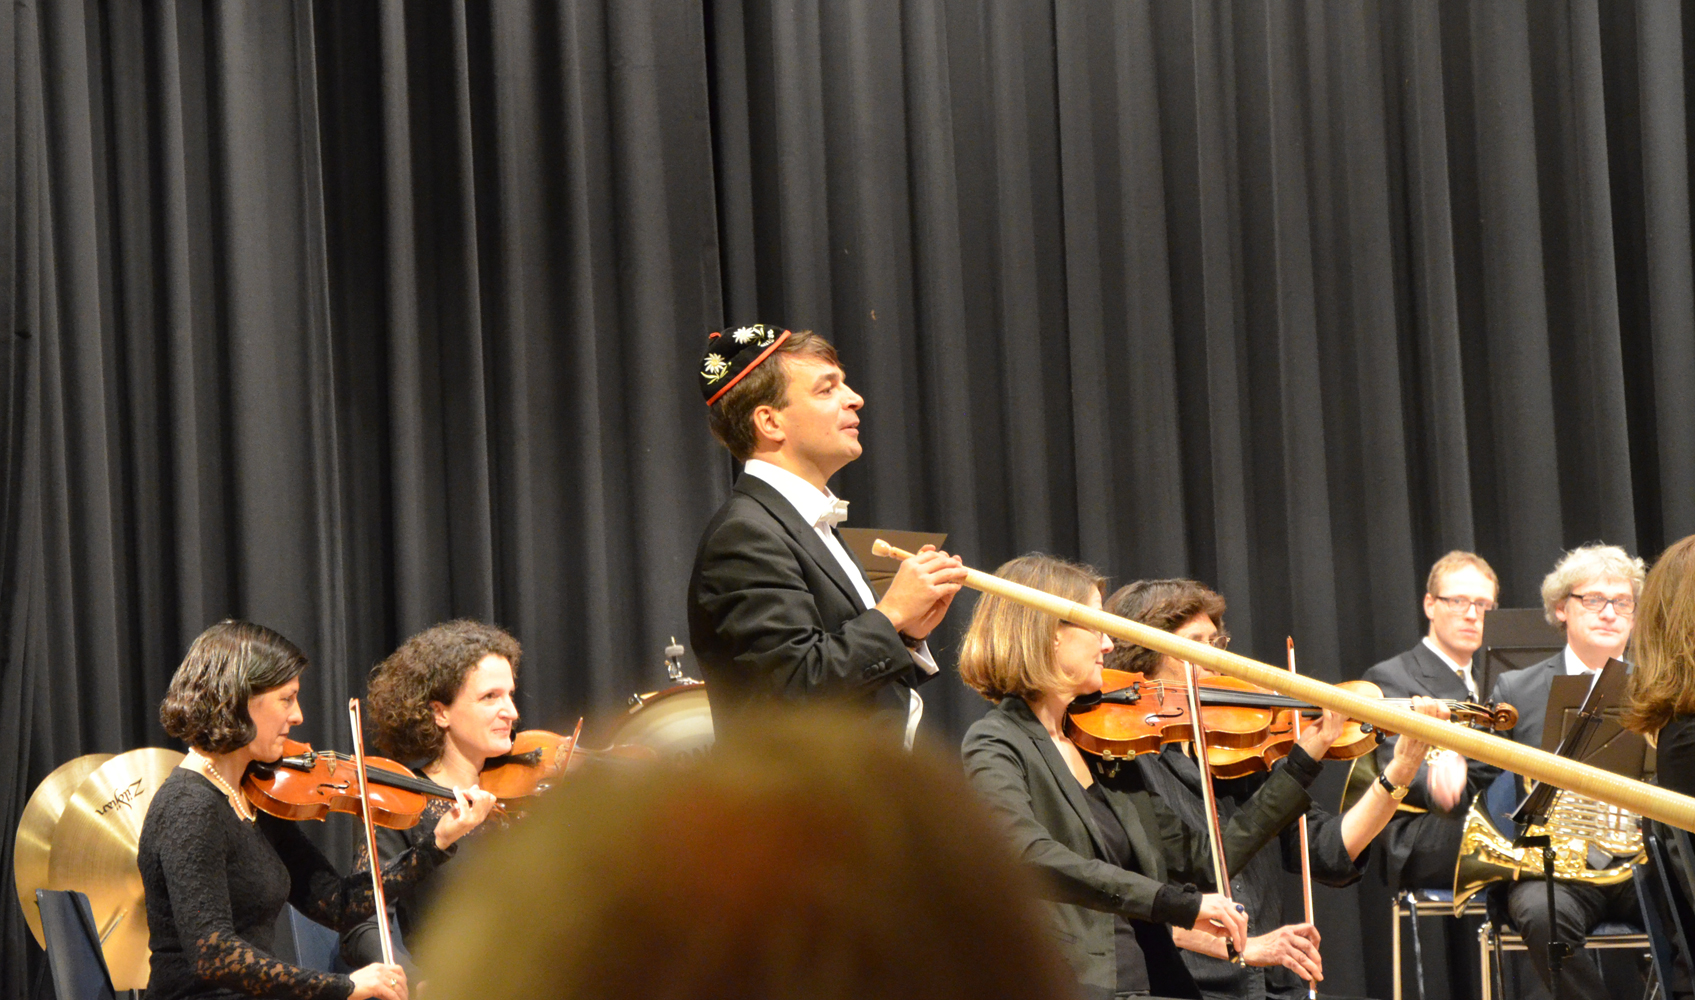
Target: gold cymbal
{"x":35,"y":832}
{"x":94,"y":851}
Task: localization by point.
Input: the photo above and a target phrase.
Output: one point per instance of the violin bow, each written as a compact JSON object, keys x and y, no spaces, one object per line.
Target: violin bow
{"x":1220,"y":872}
{"x":379,"y":900}
{"x":571,"y":751}
{"x":1306,"y":858}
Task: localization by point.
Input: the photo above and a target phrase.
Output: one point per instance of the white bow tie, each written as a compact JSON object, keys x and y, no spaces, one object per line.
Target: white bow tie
{"x":834,"y":516}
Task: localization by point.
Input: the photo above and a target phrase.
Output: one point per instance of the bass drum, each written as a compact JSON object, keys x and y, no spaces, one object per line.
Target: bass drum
{"x":675,"y":722}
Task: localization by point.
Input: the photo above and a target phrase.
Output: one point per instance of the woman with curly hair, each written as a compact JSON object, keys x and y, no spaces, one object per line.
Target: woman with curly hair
{"x":216,"y":872}
{"x":442,"y":702}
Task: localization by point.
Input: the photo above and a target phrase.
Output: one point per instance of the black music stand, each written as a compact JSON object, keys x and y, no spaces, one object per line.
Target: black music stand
{"x":1581,"y":724}
{"x":1514,"y":638}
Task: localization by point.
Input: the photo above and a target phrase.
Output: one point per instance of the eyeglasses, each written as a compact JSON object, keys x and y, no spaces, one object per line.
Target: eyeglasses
{"x":1625,"y":606}
{"x":1458,"y":604}
{"x":1219,"y":641}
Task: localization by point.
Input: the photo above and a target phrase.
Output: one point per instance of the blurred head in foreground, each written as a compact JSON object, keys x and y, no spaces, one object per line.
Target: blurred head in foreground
{"x":808,"y":860}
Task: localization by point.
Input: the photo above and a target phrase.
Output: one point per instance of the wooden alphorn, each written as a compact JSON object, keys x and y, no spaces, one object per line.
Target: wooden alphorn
{"x":1584,"y":779}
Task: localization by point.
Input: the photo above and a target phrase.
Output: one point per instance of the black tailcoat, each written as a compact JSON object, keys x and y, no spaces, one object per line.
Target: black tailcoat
{"x":774,"y":618}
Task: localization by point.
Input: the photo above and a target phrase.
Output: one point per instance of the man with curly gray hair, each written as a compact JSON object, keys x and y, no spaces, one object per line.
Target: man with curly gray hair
{"x":1591,"y":597}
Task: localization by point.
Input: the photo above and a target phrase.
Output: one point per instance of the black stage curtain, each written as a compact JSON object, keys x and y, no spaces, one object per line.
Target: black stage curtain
{"x":348,"y":318}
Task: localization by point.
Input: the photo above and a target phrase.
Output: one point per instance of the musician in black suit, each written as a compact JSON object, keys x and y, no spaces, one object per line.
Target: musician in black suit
{"x":1422,"y":841}
{"x":779,"y":610}
{"x":1591,"y":597}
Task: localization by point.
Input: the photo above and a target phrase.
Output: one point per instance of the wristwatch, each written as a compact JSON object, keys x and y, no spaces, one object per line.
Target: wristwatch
{"x":909,"y":641}
{"x":1396,"y":792}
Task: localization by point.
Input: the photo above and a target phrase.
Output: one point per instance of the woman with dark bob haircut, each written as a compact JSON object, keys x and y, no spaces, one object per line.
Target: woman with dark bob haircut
{"x":216,"y":871}
{"x":443,"y":703}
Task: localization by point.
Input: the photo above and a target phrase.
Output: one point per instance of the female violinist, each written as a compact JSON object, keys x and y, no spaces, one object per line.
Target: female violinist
{"x":444,"y":698}
{"x":1280,"y":956}
{"x":1113,"y":859}
{"x":216,"y":872}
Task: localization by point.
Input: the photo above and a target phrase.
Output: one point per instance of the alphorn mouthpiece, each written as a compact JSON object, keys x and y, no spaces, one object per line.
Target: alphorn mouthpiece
{"x":884,"y":550}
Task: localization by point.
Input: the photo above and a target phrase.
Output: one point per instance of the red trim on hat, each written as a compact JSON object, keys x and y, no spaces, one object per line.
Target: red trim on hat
{"x":751,"y":366}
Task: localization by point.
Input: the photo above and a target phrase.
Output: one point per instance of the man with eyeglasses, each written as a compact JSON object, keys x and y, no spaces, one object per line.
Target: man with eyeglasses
{"x":1422,"y":841}
{"x":1591,"y":597}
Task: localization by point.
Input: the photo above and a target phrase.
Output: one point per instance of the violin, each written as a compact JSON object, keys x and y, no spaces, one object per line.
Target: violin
{"x":309,"y":784}
{"x":537,"y":756}
{"x":1248,"y":729}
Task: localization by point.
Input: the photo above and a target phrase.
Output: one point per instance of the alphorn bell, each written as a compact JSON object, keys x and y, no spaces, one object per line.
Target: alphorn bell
{"x":1584,"y":779}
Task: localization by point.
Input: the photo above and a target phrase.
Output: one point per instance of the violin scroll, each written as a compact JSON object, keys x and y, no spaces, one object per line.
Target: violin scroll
{"x":1503,"y":717}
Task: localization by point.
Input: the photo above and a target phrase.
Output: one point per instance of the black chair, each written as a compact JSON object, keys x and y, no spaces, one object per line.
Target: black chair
{"x":318,"y":947}
{"x":315,"y":946}
{"x":73,"y":946}
{"x":1660,"y":916}
{"x":1499,"y":936}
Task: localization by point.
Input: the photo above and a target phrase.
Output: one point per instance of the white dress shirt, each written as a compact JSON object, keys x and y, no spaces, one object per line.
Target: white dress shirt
{"x":1464,"y":672}
{"x":1576,"y":668}
{"x":812,"y":505}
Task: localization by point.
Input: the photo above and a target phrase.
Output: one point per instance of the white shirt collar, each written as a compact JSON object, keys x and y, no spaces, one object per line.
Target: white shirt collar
{"x":805,"y":498}
{"x":1574,"y":666}
{"x":1463,"y":671}
{"x":1464,"y":668}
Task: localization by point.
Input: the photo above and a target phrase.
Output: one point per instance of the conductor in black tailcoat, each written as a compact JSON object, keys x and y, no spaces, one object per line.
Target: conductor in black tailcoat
{"x":779,"y":611}
{"x":1422,"y":841}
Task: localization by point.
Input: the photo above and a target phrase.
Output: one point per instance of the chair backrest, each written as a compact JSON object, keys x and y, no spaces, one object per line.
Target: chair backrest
{"x":73,"y":946}
{"x":1680,"y":871}
{"x":1662,"y":916}
{"x":315,"y":946}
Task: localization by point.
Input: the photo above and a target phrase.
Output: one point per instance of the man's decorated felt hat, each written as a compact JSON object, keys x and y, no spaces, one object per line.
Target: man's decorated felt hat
{"x":731,"y":354}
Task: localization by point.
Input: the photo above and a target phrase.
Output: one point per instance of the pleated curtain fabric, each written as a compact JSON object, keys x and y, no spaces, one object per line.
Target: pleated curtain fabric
{"x":349,"y":318}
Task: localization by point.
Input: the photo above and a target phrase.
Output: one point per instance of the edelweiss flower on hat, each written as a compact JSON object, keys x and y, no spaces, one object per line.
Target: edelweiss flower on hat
{"x":730,"y":355}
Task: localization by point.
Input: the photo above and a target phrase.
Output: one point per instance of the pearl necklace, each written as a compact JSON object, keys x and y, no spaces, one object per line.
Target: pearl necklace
{"x":203,"y":765}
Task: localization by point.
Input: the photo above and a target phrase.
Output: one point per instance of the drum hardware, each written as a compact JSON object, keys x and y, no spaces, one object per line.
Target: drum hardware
{"x":673,"y":722}
{"x":673,"y":672}
{"x":674,"y":663}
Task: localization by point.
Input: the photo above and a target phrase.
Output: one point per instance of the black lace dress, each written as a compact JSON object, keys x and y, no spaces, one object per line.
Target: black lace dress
{"x":215,"y":884}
